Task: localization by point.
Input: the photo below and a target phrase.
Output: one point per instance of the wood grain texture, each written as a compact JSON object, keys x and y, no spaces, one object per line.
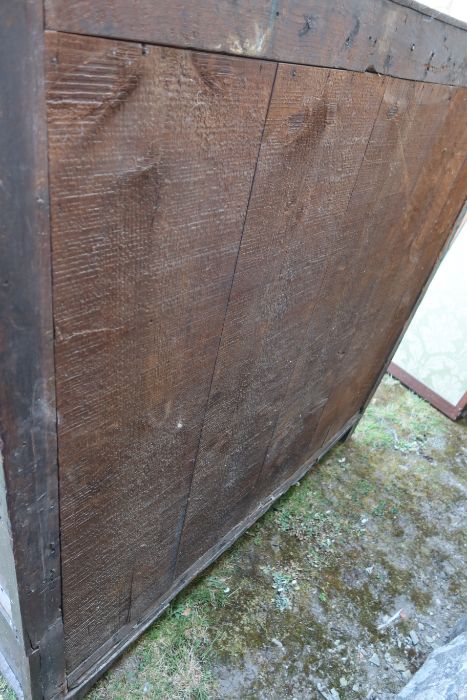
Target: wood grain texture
{"x":452,"y":209}
{"x":342,"y":230}
{"x":83,"y":677}
{"x":380,"y":36}
{"x":309,"y":159}
{"x":152,"y":155}
{"x":359,"y":315}
{"x":27,"y":401}
{"x":236,"y":248}
{"x":432,"y":195}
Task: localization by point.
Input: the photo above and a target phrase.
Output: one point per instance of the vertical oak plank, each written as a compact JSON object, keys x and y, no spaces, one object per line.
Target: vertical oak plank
{"x":342,"y":230}
{"x":353,"y":325}
{"x":152,"y":155}
{"x":316,"y":134}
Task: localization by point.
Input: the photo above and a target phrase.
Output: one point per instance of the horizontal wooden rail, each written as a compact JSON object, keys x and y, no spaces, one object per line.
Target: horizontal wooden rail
{"x":401,"y":39}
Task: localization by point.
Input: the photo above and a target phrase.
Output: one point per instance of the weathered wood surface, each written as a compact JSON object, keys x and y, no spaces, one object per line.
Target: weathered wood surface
{"x":454,"y":196}
{"x":152,"y":156}
{"x":309,"y":159}
{"x":203,"y":354}
{"x":373,"y":270}
{"x":237,"y":247}
{"x":341,"y":232}
{"x":27,"y":401}
{"x":81,"y":679}
{"x":390,"y":38}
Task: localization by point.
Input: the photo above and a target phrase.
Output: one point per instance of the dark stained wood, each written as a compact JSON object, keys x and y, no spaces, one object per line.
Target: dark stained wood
{"x":27,"y":402}
{"x":360,"y":313}
{"x":454,"y":205}
{"x":318,"y":127}
{"x":85,"y":675}
{"x":416,"y":242}
{"x":340,"y":234}
{"x":152,"y":156}
{"x":237,"y":245}
{"x":398,"y":39}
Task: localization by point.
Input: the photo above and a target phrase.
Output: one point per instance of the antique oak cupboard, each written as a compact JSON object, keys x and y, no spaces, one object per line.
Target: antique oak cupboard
{"x":217,"y":216}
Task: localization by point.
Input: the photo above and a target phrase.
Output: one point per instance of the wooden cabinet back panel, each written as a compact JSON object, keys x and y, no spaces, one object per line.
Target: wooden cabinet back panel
{"x":236,"y":247}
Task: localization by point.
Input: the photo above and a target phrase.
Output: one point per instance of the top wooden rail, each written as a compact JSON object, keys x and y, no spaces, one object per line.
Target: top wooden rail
{"x":398,"y":38}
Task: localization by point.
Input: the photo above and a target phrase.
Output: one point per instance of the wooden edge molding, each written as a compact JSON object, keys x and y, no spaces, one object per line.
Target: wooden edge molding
{"x":27,"y":406}
{"x":82,"y":678}
{"x":450,"y":410}
{"x":399,"y":38}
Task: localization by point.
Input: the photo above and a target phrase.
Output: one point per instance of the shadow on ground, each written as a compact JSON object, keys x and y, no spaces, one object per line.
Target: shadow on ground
{"x":340,"y":591}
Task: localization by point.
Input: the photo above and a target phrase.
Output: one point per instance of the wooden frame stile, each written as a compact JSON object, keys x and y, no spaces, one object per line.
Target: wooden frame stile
{"x":30,"y":518}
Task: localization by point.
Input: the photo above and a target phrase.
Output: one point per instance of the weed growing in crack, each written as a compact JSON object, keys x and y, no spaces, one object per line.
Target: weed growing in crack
{"x":284,"y":584}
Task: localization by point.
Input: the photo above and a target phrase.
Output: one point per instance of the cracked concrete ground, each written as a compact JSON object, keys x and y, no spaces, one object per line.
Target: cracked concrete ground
{"x":340,"y":591}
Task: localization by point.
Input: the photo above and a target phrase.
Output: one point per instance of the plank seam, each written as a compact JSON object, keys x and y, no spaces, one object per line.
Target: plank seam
{"x":183,"y":519}
{"x":54,"y":358}
{"x":292,"y":374}
{"x":82,"y":677}
{"x":218,"y":52}
{"x":423,"y":289}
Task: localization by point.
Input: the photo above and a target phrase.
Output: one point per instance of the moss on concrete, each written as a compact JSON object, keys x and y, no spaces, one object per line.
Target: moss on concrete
{"x":5,"y":692}
{"x":295,"y":608}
